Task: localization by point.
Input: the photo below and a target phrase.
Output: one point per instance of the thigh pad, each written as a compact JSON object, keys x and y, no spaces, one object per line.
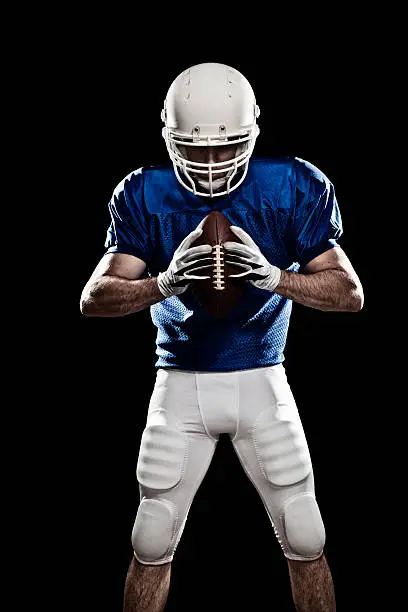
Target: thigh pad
{"x":281,"y":449}
{"x":163,"y":452}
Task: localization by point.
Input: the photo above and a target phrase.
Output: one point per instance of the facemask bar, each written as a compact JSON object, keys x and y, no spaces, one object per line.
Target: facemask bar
{"x":229,"y":166}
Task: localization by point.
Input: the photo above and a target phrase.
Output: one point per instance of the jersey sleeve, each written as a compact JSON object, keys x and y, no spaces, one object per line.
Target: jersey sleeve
{"x":128,"y":229}
{"x":318,"y":224}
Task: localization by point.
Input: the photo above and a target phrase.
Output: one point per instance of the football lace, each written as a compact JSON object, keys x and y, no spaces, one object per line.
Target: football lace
{"x":218,"y":280}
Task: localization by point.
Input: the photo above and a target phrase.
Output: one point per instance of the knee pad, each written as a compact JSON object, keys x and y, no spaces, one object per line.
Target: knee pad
{"x":282,"y":450}
{"x":303,"y":528}
{"x":152,"y":533}
{"x":160,"y":467}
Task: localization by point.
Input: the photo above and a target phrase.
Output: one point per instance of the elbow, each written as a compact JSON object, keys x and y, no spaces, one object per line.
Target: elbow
{"x":360,"y":301}
{"x":357,"y":304}
{"x":351,"y":299}
{"x":88,"y":303}
{"x":96,"y":301}
{"x":86,"y":307}
{"x":356,"y":301}
{"x":353,"y":294}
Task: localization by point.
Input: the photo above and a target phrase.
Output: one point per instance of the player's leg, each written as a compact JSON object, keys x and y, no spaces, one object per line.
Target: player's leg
{"x":272,"y":448}
{"x":312,"y":585}
{"x":175,"y":453}
{"x":146,"y":587}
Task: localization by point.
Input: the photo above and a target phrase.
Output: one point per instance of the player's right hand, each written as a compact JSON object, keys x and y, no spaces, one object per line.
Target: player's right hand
{"x":186,"y":262}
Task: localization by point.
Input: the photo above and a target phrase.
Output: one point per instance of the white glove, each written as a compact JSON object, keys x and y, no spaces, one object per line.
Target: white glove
{"x":186,"y":261}
{"x":256,"y":268}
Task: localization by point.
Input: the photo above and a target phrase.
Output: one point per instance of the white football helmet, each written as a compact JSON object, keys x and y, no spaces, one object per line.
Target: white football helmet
{"x":210,"y":105}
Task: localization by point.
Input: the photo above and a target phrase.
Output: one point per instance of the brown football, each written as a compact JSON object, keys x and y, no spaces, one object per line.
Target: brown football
{"x":218,"y":294}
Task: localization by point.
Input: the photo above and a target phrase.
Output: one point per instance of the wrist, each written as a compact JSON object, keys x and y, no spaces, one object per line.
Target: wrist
{"x":276,"y":274}
{"x":274,"y":277}
{"x":271,"y":281}
{"x":163,"y":285}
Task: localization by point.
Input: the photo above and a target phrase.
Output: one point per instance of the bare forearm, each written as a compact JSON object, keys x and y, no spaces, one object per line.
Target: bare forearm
{"x":111,"y":296}
{"x":330,"y":289}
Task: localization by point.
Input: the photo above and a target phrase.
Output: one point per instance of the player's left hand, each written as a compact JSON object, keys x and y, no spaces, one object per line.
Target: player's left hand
{"x":256,"y":268}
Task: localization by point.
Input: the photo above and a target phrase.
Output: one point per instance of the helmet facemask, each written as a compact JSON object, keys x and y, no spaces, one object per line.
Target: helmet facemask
{"x":210,"y":179}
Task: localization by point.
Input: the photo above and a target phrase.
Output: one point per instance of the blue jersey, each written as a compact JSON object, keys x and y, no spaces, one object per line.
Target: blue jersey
{"x":289,"y":208}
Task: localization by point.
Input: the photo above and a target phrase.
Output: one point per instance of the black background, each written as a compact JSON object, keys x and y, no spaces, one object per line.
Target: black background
{"x":319,"y":107}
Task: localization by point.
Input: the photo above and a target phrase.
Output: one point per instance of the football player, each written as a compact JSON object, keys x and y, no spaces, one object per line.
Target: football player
{"x":222,"y":375}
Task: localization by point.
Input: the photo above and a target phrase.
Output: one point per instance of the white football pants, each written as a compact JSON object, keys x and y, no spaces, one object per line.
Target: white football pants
{"x":187,"y":412}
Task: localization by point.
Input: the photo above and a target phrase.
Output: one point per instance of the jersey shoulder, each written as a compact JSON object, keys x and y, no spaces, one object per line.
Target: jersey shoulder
{"x":132,"y":179}
{"x":270,"y":164}
{"x":308,"y":175}
{"x":271,"y":174}
{"x":139,"y":176}
{"x":145,"y":185}
{"x":300,"y":168}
